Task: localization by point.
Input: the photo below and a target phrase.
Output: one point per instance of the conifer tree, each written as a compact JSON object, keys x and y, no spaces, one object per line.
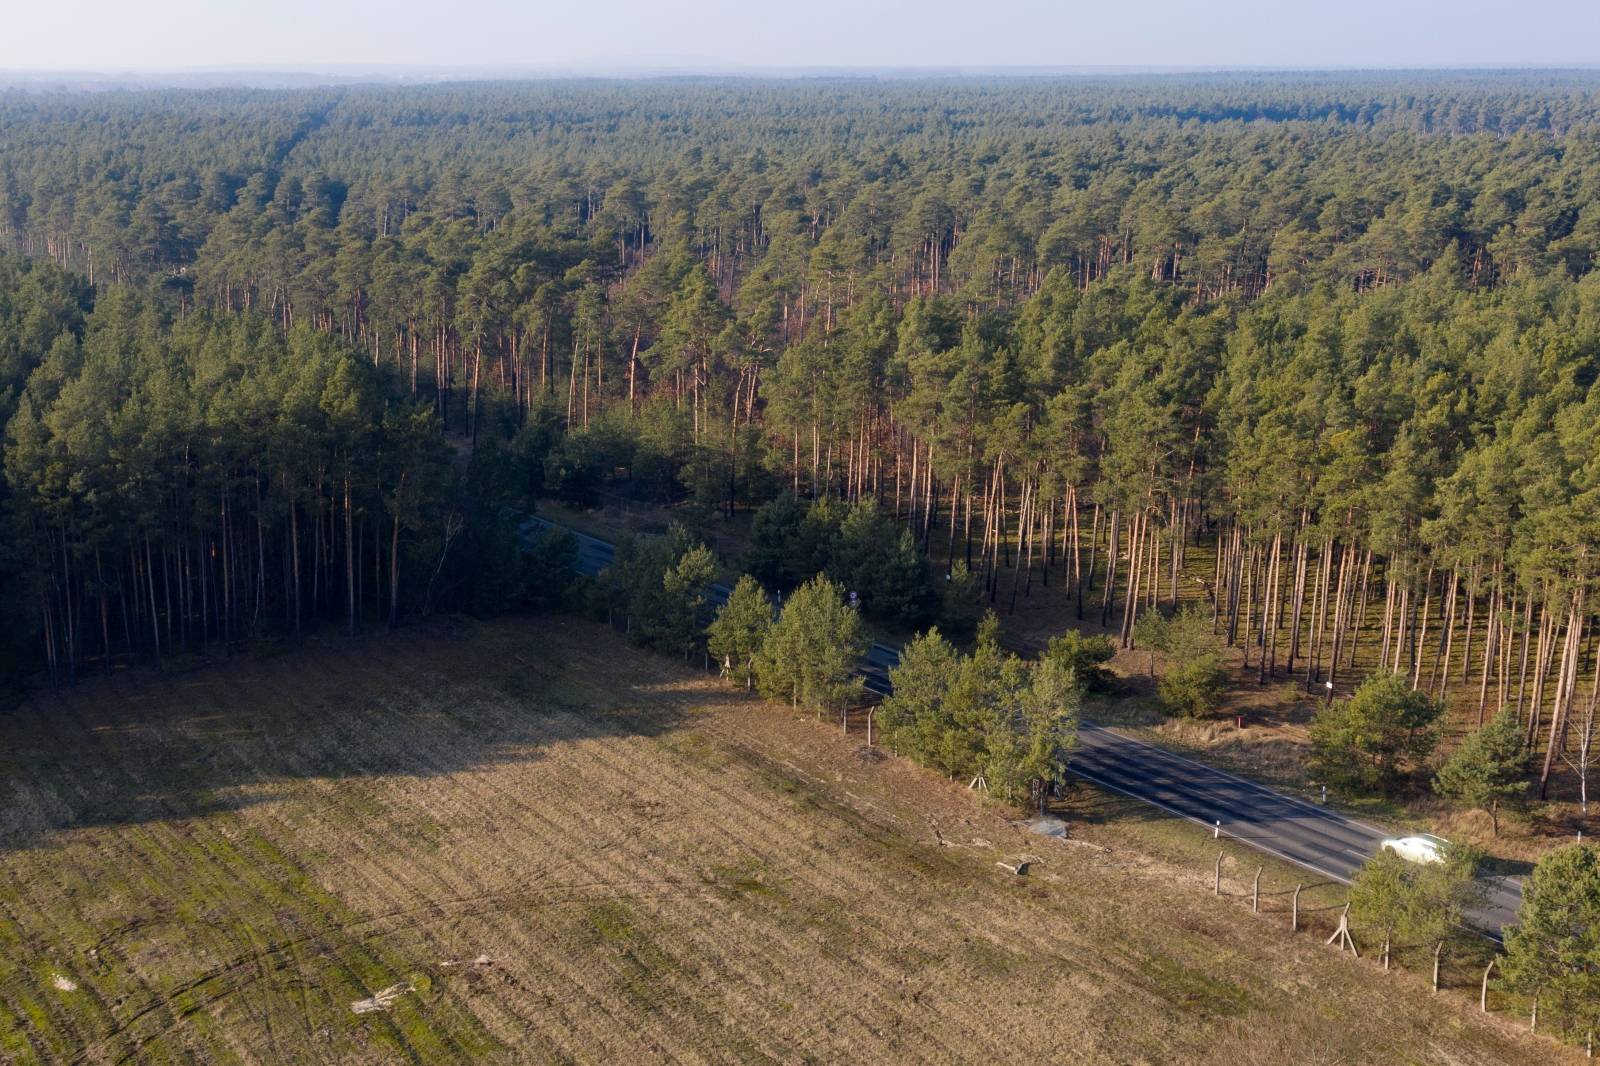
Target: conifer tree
{"x":1487,"y":768}
{"x":740,"y":628}
{"x":810,"y":654}
{"x":1424,"y":903}
{"x":1553,"y":949}
{"x":1367,"y":739}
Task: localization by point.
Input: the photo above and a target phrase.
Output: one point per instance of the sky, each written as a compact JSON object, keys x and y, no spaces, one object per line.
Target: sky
{"x":618,"y":35}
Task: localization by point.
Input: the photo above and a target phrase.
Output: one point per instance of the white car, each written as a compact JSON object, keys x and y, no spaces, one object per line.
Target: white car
{"x":1423,"y":848}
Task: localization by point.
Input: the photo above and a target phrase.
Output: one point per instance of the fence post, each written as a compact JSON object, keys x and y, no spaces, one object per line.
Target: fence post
{"x":1294,"y":913}
{"x":1255,"y":893}
{"x":1216,"y":885}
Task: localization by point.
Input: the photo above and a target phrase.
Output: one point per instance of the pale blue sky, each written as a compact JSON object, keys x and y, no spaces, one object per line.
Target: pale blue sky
{"x":212,"y":34}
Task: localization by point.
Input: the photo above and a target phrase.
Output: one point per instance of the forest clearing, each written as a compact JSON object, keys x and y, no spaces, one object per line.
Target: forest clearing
{"x":525,"y":841}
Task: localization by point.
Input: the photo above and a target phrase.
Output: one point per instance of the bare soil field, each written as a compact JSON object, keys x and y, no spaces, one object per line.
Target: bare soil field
{"x":526,"y":842}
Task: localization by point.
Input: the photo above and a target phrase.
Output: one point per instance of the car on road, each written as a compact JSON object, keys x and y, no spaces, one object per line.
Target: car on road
{"x":1422,"y":848}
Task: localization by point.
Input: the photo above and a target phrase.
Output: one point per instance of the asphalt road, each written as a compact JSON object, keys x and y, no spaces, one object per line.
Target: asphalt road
{"x":1306,"y":834}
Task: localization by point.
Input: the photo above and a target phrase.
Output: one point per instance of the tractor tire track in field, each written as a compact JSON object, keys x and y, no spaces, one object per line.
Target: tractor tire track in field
{"x":647,"y":864}
{"x":623,"y":773}
{"x":706,"y":953}
{"x":163,"y":1011}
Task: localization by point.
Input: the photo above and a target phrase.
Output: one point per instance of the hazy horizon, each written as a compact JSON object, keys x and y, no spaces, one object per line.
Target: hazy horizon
{"x":401,"y":37}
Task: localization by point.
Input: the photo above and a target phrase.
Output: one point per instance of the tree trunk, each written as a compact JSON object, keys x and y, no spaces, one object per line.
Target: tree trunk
{"x":349,"y":559}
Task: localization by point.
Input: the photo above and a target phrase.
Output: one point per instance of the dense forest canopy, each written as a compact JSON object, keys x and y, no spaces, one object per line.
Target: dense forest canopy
{"x":1339,"y":331}
{"x":1208,"y":179}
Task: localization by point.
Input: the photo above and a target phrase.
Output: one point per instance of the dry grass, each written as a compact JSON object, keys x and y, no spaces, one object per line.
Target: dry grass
{"x":527,"y":842}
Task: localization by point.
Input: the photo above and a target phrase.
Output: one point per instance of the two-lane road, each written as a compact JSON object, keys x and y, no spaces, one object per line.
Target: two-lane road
{"x":1310,"y":836}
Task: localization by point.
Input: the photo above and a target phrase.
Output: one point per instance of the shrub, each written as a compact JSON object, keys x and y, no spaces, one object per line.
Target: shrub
{"x":1083,"y":654}
{"x":1193,"y":687}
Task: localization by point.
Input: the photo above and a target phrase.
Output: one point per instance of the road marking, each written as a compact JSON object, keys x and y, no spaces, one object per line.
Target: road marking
{"x":1496,"y":937}
{"x":1297,"y":801}
{"x":1209,"y":825}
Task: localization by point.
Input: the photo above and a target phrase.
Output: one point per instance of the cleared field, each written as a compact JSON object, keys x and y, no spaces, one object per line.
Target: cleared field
{"x":531,"y":843}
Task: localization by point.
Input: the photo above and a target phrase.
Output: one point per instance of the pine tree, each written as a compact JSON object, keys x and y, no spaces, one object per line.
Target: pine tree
{"x":1367,"y":739}
{"x":916,"y":714}
{"x":1193,"y":680}
{"x":1048,"y":728}
{"x":811,"y":653}
{"x":1487,"y":768}
{"x":1083,"y":654}
{"x":878,"y":560}
{"x":660,"y":584}
{"x":735,"y":636}
{"x":1553,"y":950}
{"x":670,"y":619}
{"x":1421,"y":902}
